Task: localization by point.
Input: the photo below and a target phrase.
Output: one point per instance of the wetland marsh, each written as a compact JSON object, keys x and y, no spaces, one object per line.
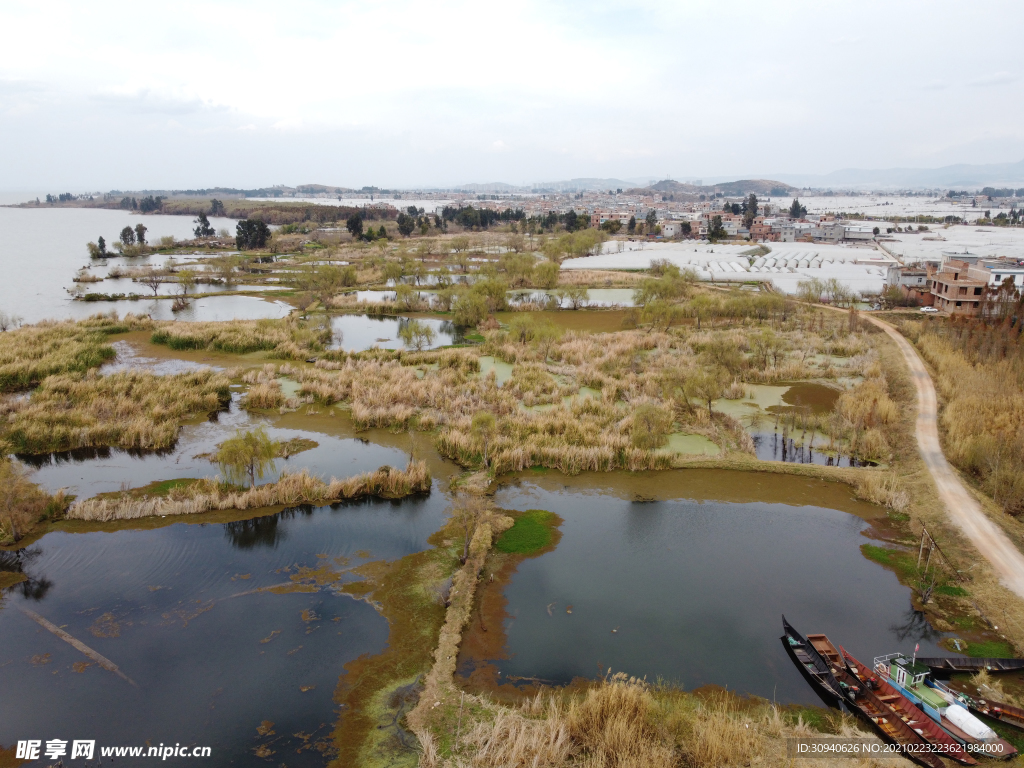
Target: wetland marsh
{"x":659,"y":433}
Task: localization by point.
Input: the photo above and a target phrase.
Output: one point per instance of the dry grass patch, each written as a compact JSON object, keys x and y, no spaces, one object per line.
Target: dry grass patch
{"x":290,"y":490}
{"x":30,"y":354}
{"x":23,"y":504}
{"x":128,"y":409}
{"x":289,"y":339}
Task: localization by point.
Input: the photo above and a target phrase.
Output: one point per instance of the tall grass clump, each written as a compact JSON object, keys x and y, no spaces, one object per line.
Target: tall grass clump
{"x":290,"y":490}
{"x":264,"y":390}
{"x":128,"y":409}
{"x":23,"y":504}
{"x":288,"y":339}
{"x":31,"y":353}
{"x":980,"y":379}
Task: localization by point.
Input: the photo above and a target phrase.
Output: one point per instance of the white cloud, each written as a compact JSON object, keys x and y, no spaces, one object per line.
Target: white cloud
{"x":996,"y":78}
{"x":413,"y":93}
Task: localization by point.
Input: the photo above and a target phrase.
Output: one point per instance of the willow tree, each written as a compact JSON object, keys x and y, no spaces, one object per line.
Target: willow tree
{"x":248,"y":455}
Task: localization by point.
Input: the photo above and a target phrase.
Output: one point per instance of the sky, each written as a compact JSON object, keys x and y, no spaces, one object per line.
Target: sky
{"x":112,"y":95}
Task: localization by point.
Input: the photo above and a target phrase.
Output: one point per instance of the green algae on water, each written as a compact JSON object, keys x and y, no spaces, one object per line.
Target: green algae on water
{"x":531,"y":532}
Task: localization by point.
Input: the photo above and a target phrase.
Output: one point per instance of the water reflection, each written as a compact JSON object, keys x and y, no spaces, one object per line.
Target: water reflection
{"x":264,"y":531}
{"x":915,"y":627}
{"x":209,"y":621}
{"x":32,"y":587}
{"x":780,"y":446}
{"x":89,"y":471}
{"x":355,"y":333}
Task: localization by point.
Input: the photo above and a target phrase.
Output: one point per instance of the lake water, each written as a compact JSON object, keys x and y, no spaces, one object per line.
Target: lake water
{"x":664,"y":582}
{"x":45,"y":247}
{"x":355,"y":333}
{"x":178,"y":611}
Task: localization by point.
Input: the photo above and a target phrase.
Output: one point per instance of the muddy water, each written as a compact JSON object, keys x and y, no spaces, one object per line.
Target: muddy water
{"x":176,"y":609}
{"x":684,"y":575}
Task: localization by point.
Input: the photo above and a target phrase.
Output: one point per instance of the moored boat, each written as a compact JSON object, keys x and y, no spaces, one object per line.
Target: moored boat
{"x":966,"y":664}
{"x":997,"y":710}
{"x":813,"y":667}
{"x":905,"y":709}
{"x":911,"y":678}
{"x":859,"y":698}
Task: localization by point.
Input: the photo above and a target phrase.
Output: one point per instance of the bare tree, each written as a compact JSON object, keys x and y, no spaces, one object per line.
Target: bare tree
{"x":152,"y":281}
{"x":466,"y":515}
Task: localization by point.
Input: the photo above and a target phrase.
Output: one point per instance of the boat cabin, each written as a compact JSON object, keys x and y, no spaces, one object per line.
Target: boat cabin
{"x":907,"y":674}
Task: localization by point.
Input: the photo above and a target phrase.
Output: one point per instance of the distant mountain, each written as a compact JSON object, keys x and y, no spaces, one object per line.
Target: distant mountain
{"x":583,"y":185}
{"x":743,"y":187}
{"x":961,"y":176}
{"x":494,"y":186}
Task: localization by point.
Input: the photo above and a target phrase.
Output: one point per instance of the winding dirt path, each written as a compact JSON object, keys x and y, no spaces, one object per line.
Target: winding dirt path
{"x":989,"y":539}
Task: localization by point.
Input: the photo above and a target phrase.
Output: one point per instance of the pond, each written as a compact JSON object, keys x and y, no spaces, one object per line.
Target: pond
{"x":775,"y":414}
{"x":186,"y":612}
{"x":355,"y":333}
{"x":684,"y":575}
{"x":596,"y":297}
{"x":87,"y":472}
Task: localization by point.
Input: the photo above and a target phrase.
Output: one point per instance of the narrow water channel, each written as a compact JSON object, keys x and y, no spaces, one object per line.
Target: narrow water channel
{"x":87,"y":472}
{"x":225,"y":648}
{"x":684,"y":576}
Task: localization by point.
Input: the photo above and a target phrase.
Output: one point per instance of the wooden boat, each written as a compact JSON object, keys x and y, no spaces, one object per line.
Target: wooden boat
{"x":903,"y":708}
{"x":813,"y":667}
{"x":912,"y":679}
{"x":862,"y":701}
{"x":964,"y":664}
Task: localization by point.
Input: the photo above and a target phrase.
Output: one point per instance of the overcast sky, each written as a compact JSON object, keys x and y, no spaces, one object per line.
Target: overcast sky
{"x":132,"y":95}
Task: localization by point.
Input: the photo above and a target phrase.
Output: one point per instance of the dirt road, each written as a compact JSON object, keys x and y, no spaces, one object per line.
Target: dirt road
{"x":991,"y":542}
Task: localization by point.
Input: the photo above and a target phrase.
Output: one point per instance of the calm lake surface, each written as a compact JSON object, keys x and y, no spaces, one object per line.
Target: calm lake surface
{"x":178,"y":611}
{"x":45,"y":247}
{"x":695,"y":588}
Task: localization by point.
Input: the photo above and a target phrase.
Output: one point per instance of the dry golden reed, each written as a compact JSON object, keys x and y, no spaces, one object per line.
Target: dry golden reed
{"x":289,"y":490}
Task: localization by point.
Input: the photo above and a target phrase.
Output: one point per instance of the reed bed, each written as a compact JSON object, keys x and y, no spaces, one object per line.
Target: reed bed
{"x":288,"y":339}
{"x":264,"y":390}
{"x":128,"y":409}
{"x":31,"y":353}
{"x":290,"y":490}
{"x":980,"y":379}
{"x":23,"y":504}
{"x":635,"y":371}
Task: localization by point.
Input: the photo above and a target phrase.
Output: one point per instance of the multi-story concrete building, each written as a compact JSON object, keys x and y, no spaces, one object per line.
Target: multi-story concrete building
{"x":996,"y":271}
{"x":955,"y":291}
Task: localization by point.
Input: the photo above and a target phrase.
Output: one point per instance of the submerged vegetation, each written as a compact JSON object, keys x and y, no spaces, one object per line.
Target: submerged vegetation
{"x":684,"y":361}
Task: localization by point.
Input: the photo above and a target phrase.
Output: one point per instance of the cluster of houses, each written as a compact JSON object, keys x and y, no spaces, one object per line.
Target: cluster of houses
{"x":675,"y":220}
{"x":957,"y":283}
